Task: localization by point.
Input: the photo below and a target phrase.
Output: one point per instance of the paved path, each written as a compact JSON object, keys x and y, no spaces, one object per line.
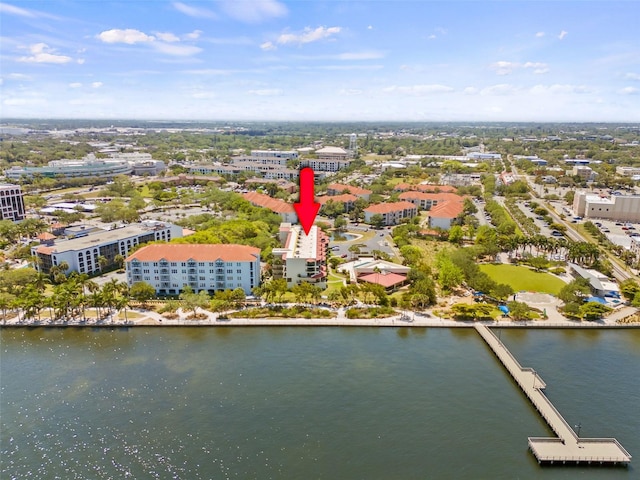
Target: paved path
{"x":568,"y":447}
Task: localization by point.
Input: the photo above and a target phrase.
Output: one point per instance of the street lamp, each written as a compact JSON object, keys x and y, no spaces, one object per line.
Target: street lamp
{"x":579,"y":427}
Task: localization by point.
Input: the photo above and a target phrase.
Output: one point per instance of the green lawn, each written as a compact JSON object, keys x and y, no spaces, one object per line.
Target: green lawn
{"x":523,"y":278}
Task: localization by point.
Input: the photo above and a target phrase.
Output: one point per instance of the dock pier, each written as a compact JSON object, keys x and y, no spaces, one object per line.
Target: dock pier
{"x":568,"y":447}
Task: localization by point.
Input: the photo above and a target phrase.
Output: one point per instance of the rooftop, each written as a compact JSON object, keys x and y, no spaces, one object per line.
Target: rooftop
{"x":182,"y":252}
{"x":382,"y":208}
{"x":273,"y":204}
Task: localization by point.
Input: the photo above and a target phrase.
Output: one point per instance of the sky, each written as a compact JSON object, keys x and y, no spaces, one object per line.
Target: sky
{"x":321,"y":60}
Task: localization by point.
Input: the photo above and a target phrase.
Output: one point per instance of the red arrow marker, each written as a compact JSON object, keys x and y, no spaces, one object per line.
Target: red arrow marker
{"x":307,"y":208}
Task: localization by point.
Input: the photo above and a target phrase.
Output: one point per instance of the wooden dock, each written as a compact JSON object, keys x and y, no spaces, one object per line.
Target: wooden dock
{"x":567,"y":447}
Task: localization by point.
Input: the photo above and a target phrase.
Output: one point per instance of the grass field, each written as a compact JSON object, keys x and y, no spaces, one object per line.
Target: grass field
{"x":522,"y":278}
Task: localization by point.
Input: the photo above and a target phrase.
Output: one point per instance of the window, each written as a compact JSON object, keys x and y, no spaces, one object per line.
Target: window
{"x":174,"y":271}
{"x":203,"y":278}
{"x":238,"y":271}
{"x":229,"y":270}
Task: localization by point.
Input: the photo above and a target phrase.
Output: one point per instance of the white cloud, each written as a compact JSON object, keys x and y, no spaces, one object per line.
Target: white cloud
{"x":559,"y":89}
{"x":470,"y":91}
{"x":75,"y":85}
{"x":176,"y":50}
{"x":540,"y":34}
{"x":202,"y":95}
{"x":7,"y":9}
{"x":500,"y":89}
{"x":503,"y":67}
{"x":194,"y":11}
{"x":308,"y":35}
{"x":96,"y":84}
{"x":629,"y":91}
{"x":370,"y":27}
{"x":538,"y":67}
{"x":266,"y":92}
{"x":167,"y":37}
{"x":80,"y":61}
{"x":632,"y":76}
{"x":129,"y":36}
{"x":193,"y":35}
{"x":268,"y":46}
{"x":41,"y":53}
{"x":255,"y":11}
{"x":418,"y":90}
{"x":19,"y":101}
{"x":432,"y":36}
{"x":563,"y":34}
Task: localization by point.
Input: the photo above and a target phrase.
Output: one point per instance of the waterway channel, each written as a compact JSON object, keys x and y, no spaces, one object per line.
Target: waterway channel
{"x":304,"y":403}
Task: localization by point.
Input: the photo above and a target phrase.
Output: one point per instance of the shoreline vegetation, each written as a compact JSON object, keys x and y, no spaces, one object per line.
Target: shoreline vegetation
{"x":298,"y":315}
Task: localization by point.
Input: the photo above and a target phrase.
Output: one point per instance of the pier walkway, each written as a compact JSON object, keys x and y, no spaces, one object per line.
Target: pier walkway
{"x":567,"y":447}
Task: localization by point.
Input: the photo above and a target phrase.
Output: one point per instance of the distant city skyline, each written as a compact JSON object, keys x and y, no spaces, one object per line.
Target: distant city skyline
{"x":273,"y":60}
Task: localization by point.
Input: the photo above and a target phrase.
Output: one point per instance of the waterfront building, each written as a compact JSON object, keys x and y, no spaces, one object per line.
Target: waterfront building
{"x":302,"y":258}
{"x":601,"y":285}
{"x":392,"y":213}
{"x":11,"y":202}
{"x":171,"y":267}
{"x":84,"y":246}
{"x":623,"y":208}
{"x":282,"y":208}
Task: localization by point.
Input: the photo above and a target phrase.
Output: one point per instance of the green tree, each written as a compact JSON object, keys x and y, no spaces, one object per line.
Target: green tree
{"x":593,"y":311}
{"x":629,"y":288}
{"x":456,"y":235}
{"x":142,"y":291}
{"x":376,"y":220}
{"x":449,"y":275}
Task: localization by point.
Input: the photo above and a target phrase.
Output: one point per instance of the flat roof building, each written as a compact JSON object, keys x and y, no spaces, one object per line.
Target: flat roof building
{"x":82,"y":252}
{"x":302,"y":258}
{"x":623,"y":208}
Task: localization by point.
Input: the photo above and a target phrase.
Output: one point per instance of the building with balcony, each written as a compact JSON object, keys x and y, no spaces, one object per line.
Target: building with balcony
{"x":328,"y":159}
{"x":82,"y":252}
{"x":392,"y":213}
{"x":302,"y":258}
{"x":171,"y":267}
{"x":11,"y":202}
{"x":282,"y":208}
{"x":339,"y":189}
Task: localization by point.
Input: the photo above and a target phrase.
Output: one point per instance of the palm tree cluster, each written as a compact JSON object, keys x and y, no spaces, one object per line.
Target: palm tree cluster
{"x":68,"y":300}
{"x":583,"y":253}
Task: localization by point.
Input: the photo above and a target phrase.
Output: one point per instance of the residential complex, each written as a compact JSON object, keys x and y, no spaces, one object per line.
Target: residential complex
{"x":282,"y":208}
{"x":11,"y":202}
{"x":302,"y":257}
{"x":90,"y":166}
{"x":628,"y":171}
{"x":623,"y":208}
{"x":392,"y":213}
{"x":346,"y":199}
{"x":82,"y":250}
{"x":329,"y":159}
{"x":171,"y":267}
{"x":338,"y":189}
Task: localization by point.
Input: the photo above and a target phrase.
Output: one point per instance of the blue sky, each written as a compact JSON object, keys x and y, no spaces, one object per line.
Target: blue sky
{"x":314,"y":60}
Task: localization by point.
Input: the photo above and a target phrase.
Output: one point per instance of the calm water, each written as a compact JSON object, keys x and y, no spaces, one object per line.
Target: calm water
{"x":303,"y":403}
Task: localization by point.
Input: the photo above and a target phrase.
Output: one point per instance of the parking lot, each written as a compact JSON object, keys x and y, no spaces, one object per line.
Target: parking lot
{"x":618,"y":233}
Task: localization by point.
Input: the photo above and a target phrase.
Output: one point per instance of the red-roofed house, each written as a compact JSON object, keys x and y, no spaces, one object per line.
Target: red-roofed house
{"x":392,"y":213}
{"x":209,"y":267}
{"x":347,"y":199}
{"x":282,"y":208}
{"x":426,"y":201}
{"x":443,"y":214}
{"x":338,"y":188}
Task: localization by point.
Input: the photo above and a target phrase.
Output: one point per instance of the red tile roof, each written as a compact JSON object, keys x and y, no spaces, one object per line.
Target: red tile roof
{"x":345,"y":198}
{"x":339,"y":187}
{"x":181,"y":252}
{"x":447,"y":210}
{"x":385,"y":279}
{"x":382,"y":208}
{"x":273,"y":204}
{"x":46,"y":236}
{"x":438,"y":197}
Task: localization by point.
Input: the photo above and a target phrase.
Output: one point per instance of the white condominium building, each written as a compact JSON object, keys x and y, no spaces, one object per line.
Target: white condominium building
{"x":302,"y":257}
{"x":329,"y":159}
{"x":11,"y":202}
{"x":171,"y":267}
